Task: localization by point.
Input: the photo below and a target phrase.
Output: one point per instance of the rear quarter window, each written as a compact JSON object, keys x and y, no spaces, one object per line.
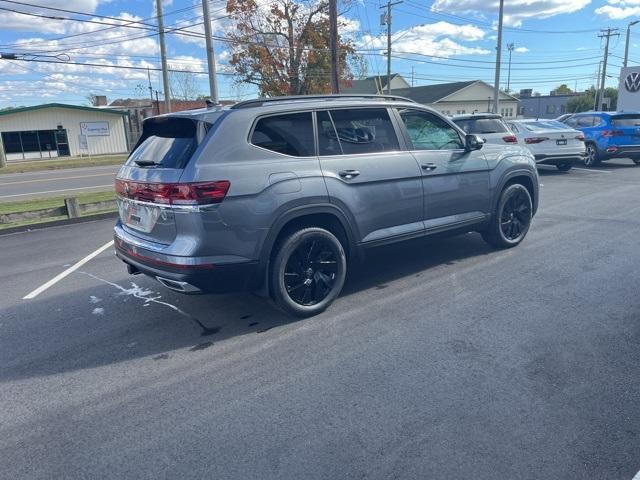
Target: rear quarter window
{"x":290,"y":134}
{"x":626,"y":121}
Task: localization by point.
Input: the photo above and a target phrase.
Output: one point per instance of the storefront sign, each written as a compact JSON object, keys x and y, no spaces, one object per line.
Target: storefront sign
{"x":95,"y":129}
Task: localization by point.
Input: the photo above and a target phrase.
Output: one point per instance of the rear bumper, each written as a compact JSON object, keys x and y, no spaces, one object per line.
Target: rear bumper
{"x":622,"y":151}
{"x":186,"y":274}
{"x":557,"y":159}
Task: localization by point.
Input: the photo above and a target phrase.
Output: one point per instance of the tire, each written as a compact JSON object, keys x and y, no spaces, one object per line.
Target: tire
{"x":308,"y":271}
{"x":593,"y":158}
{"x":564,"y":167}
{"x":510,"y":222}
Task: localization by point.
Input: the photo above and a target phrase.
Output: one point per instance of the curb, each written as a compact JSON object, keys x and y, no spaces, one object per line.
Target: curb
{"x":56,"y":223}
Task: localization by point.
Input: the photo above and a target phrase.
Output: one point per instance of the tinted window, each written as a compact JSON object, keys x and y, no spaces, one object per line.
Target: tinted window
{"x":328,"y":143}
{"x":571,"y":121}
{"x":366,"y":130}
{"x":291,"y":134}
{"x":585,"y":121}
{"x":428,"y":132}
{"x":166,"y":141}
{"x":11,"y":141}
{"x":626,"y":121}
{"x":482,"y":125}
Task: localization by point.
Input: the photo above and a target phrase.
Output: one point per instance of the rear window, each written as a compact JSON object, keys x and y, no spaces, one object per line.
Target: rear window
{"x":482,"y":125}
{"x":544,"y":125}
{"x":626,"y":121}
{"x":168,"y":142}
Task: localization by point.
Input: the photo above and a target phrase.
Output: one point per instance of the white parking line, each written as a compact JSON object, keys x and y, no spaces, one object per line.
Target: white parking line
{"x":591,"y":171}
{"x":69,"y":270}
{"x":56,"y":191}
{"x":636,"y":477}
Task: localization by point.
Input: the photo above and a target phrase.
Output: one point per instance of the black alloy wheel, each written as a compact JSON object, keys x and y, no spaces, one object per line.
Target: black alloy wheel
{"x":516,"y":215}
{"x":511,"y":221}
{"x":308,"y":271}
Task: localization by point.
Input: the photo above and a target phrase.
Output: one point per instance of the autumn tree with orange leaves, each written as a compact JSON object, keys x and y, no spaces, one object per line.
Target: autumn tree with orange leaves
{"x":282,"y":46}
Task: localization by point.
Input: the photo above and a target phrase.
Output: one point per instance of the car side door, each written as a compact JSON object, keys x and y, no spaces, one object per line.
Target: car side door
{"x":367,"y":173}
{"x":455,"y":181}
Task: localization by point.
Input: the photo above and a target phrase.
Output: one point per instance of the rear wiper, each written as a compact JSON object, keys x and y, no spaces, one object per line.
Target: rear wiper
{"x":146,"y":163}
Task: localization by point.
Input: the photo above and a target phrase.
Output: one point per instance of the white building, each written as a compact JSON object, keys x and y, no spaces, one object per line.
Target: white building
{"x":460,"y":97}
{"x":58,"y":130}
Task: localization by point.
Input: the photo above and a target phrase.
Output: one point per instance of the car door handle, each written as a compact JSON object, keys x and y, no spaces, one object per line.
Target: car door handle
{"x":429,"y":166}
{"x":349,"y":174}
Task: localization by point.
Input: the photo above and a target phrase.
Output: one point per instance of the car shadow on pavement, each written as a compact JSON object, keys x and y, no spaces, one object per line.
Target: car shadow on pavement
{"x":104,"y":323}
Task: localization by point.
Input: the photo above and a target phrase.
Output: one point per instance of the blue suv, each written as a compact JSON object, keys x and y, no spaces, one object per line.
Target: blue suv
{"x":608,"y":135}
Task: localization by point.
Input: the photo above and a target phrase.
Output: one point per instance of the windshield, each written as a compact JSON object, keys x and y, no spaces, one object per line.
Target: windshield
{"x":482,"y":125}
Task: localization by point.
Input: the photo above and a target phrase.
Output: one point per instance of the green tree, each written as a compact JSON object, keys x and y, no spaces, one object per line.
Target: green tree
{"x":562,"y":89}
{"x":583,"y":102}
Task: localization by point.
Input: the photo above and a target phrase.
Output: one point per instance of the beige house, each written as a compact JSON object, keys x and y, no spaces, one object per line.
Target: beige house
{"x":58,"y":130}
{"x":460,"y":97}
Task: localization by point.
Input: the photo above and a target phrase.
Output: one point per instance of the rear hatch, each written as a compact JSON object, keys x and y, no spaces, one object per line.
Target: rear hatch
{"x":626,"y":128}
{"x":491,"y":129}
{"x":148,"y":184}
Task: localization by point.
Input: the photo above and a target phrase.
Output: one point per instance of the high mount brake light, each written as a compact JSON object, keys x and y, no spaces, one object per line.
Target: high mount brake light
{"x":198,"y":193}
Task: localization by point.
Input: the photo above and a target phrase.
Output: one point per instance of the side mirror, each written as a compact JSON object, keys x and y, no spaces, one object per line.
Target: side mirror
{"x":473,"y":142}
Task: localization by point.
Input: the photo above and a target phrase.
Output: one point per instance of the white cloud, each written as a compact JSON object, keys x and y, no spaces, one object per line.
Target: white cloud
{"x":515,"y":11}
{"x":437,"y":39}
{"x":19,"y":22}
{"x":521,"y":50}
{"x":620,"y":9}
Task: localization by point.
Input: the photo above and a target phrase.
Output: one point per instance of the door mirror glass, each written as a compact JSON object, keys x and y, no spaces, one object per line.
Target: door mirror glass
{"x":473,"y":142}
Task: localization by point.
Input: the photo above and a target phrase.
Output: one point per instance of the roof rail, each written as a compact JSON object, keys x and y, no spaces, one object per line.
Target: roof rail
{"x":258,"y":102}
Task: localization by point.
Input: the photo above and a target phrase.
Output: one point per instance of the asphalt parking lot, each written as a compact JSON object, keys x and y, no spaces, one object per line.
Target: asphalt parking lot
{"x":443,"y":359}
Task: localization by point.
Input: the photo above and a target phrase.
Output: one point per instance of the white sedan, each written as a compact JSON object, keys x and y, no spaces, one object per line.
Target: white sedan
{"x":551,"y":142}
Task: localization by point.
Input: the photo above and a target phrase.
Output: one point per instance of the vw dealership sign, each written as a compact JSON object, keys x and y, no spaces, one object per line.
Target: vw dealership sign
{"x":629,"y":89}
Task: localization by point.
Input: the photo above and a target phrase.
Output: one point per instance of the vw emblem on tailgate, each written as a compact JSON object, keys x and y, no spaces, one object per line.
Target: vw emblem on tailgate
{"x":632,"y":82}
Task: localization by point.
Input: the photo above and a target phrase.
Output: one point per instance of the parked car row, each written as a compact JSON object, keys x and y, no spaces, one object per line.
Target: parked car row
{"x":592,"y":137}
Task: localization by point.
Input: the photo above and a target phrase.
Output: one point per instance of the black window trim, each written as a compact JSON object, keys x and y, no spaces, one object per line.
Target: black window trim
{"x":407,"y":138}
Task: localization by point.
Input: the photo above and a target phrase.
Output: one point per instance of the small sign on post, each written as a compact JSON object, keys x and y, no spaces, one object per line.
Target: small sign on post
{"x":83,"y":143}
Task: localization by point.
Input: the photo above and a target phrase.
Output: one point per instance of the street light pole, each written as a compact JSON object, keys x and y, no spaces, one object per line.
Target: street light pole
{"x":496,"y":85}
{"x":510,"y":46}
{"x":626,"y":43}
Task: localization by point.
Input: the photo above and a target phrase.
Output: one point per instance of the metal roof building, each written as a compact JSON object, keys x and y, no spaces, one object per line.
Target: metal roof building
{"x":58,"y":130}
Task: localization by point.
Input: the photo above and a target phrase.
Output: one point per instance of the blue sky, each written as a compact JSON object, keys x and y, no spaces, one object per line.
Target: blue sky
{"x":556,"y":41}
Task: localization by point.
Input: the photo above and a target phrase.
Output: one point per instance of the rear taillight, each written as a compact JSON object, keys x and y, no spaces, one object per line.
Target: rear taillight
{"x":510,"y":139}
{"x":612,"y":133}
{"x":580,"y":137}
{"x":531,"y":140}
{"x":199,"y":193}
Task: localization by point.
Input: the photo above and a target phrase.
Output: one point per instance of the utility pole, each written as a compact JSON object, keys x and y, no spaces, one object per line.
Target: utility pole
{"x":163,"y":59}
{"x":333,"y":45}
{"x":387,"y":22}
{"x":413,"y":74}
{"x":150,"y":87}
{"x":211,"y":58}
{"x":510,"y":46}
{"x":626,"y":43}
{"x":496,"y":85}
{"x":595,"y":100}
{"x":610,"y":32}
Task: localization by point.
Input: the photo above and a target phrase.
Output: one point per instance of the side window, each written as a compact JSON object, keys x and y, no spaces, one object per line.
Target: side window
{"x":291,"y":134}
{"x":328,"y":143}
{"x":598,"y":121}
{"x":366,"y":130}
{"x":571,"y":121}
{"x":585,"y":121}
{"x":429,"y":132}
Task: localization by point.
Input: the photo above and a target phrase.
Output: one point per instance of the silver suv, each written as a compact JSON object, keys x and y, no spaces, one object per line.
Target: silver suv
{"x":279,"y":195}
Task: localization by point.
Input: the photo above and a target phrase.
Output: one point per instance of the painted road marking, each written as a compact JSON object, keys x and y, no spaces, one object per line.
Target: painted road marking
{"x":52,"y":179}
{"x":68,"y":271}
{"x":56,"y":191}
{"x":591,"y":171}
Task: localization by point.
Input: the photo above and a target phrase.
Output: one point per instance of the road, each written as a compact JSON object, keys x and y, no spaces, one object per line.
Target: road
{"x":443,"y":359}
{"x":56,"y":183}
